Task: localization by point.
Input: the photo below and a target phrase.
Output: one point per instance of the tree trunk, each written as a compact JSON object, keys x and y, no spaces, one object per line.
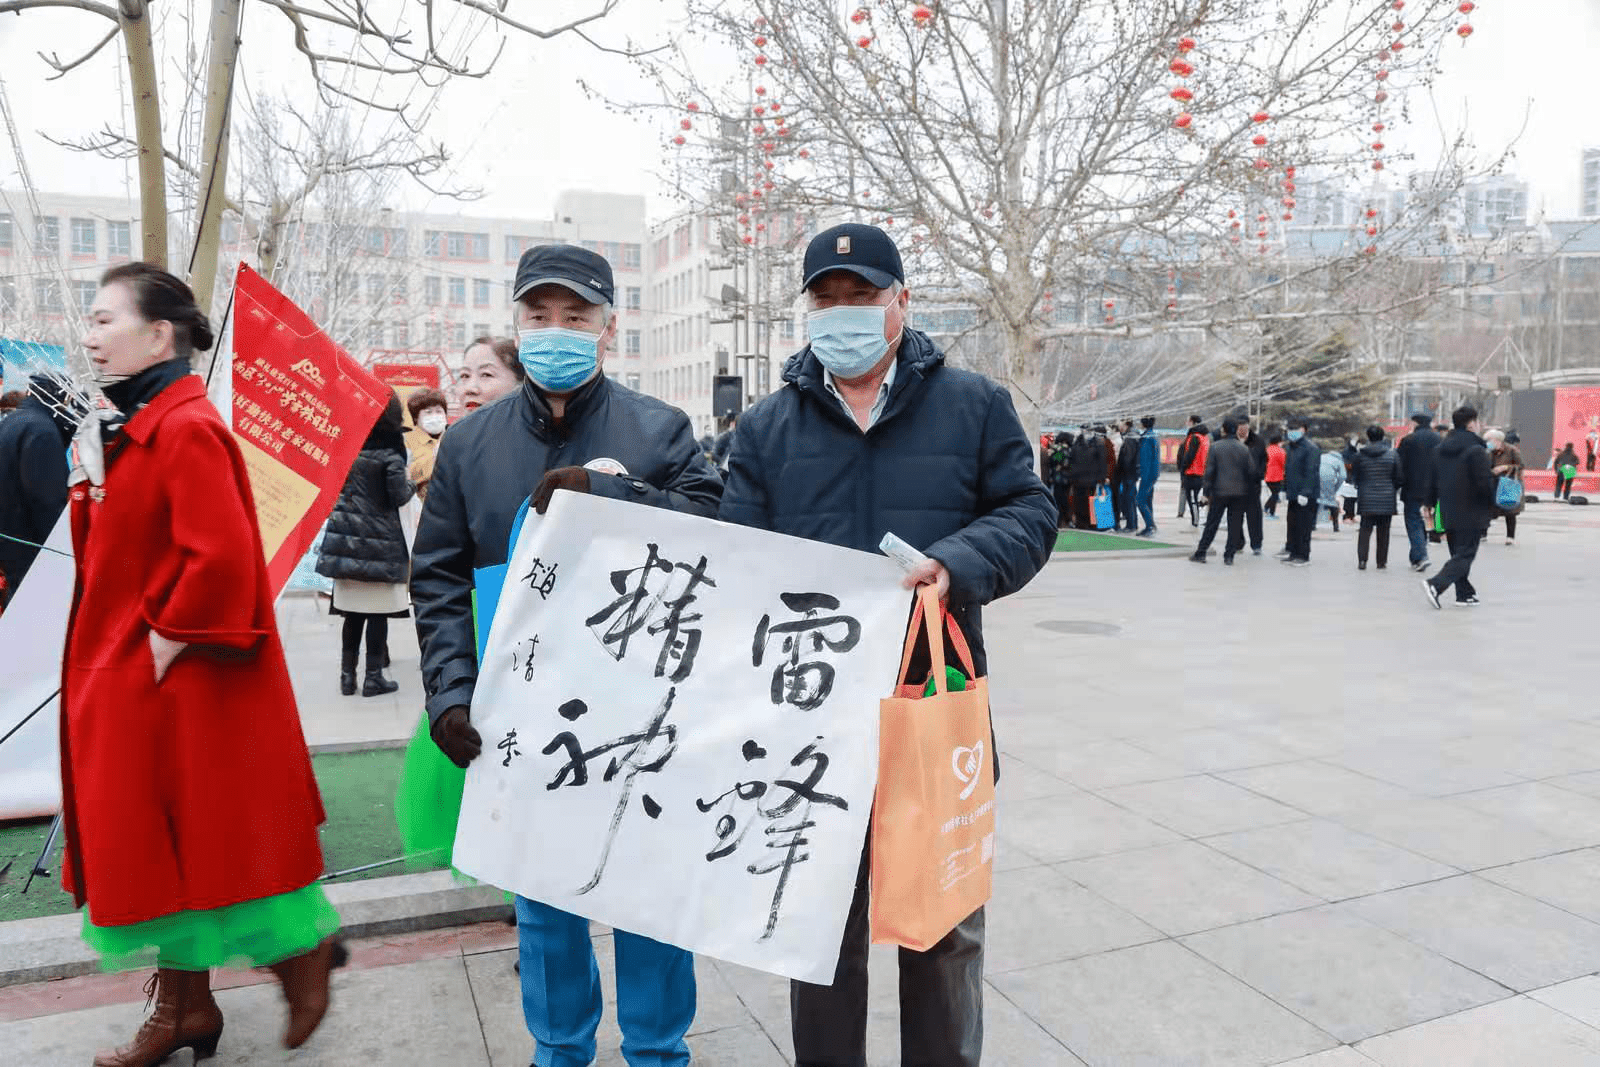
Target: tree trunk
{"x":1025,"y":382}
{"x":134,"y":16}
{"x":214,"y":145}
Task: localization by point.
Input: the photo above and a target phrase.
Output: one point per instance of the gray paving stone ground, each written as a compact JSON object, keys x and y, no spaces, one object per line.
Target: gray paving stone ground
{"x":1278,"y":816}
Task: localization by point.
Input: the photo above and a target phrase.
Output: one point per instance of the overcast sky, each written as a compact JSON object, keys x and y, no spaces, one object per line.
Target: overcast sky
{"x":528,"y":132}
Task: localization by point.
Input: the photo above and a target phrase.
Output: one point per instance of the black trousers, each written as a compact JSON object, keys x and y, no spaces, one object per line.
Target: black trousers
{"x":1458,"y":568}
{"x":941,"y":998}
{"x":377,"y":629}
{"x":1301,"y":520}
{"x":1192,"y":484}
{"x":1063,"y":505}
{"x":1083,"y":506}
{"x":1272,"y":501}
{"x":1252,"y":515}
{"x":1233,"y":507}
{"x":1349,"y":509}
{"x":1564,"y":484}
{"x":1374,"y":524}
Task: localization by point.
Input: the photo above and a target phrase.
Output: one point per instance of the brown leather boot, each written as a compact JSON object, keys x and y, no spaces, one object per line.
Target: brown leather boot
{"x":305,"y":986}
{"x":185,"y":1017}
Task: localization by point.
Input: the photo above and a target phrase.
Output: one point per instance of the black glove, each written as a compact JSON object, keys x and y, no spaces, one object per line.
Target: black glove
{"x":454,"y":734}
{"x":575,"y":479}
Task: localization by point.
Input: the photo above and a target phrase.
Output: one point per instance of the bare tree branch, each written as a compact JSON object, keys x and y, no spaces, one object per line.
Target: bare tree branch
{"x":61,"y":69}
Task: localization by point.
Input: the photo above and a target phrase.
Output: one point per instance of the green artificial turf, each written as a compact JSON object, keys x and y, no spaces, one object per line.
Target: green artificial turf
{"x":357,"y":792}
{"x":1089,"y":541}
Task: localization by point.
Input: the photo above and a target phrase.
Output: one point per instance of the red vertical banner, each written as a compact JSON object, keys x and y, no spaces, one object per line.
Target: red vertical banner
{"x":301,"y":410}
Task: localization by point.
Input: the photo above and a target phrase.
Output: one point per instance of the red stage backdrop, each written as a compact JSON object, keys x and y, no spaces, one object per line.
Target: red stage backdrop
{"x":301,"y":410}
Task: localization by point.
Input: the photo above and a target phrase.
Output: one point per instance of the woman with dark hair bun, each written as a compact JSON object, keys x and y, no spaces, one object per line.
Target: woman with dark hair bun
{"x":189,"y":804}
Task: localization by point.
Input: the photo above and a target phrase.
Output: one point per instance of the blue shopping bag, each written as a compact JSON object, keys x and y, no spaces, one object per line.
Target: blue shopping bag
{"x":1104,"y":517}
{"x":1508,"y":494}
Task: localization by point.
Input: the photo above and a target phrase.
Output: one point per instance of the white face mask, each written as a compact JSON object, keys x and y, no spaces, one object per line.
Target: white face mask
{"x":432,"y":423}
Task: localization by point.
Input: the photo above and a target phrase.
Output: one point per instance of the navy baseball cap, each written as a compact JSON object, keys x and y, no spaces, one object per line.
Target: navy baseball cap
{"x":858,"y":248}
{"x":584,"y":272}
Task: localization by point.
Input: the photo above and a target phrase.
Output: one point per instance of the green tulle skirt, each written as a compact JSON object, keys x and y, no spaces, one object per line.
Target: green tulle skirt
{"x":253,"y":933}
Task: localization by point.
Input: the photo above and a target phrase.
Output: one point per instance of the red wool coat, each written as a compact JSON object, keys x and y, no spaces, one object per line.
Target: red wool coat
{"x":197,"y":792}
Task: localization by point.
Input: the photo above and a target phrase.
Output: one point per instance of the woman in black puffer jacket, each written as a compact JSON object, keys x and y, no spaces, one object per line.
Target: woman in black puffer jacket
{"x":364,"y":552}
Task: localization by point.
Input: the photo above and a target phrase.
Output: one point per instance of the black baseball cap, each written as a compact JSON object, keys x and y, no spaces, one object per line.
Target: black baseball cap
{"x":584,"y":272}
{"x":858,"y":248}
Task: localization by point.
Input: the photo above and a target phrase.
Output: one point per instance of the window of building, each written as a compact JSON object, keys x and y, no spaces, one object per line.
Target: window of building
{"x":479,"y":329}
{"x":374,"y":288}
{"x":786,"y":329}
{"x":375,"y":335}
{"x":458,"y":292}
{"x":432,"y":335}
{"x":432,"y":290}
{"x":8,"y":296}
{"x":632,"y":295}
{"x":432,"y":242}
{"x":119,"y":240}
{"x":402,"y":334}
{"x":47,"y":295}
{"x":47,"y":234}
{"x":5,"y":232}
{"x":480,"y":292}
{"x":458,"y":335}
{"x":632,"y":382}
{"x":83,"y":295}
{"x":633,"y":342}
{"x":85,"y":241}
{"x":401,"y":289}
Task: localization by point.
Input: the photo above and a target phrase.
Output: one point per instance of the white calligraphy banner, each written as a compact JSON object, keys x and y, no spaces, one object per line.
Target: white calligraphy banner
{"x":680,"y":729}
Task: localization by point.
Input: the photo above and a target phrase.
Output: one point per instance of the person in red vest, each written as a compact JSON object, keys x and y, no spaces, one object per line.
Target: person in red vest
{"x":1192,"y":466}
{"x":1274,"y":479}
{"x":188,"y":800}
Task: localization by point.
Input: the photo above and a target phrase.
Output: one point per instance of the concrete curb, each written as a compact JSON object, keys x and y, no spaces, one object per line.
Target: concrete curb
{"x":38,"y":950}
{"x":1129,"y":553}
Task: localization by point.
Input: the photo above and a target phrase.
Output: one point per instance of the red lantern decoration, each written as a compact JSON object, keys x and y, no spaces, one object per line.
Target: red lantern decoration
{"x":1110,"y":304}
{"x":686,"y":124}
{"x":1377,"y":164}
{"x":1260,"y":116}
{"x":1234,"y":239}
{"x":1398,"y":5}
{"x":1288,"y":216}
{"x":1186,"y":44}
{"x":1182,"y":95}
{"x":1288,"y":187}
{"x":783,"y":131}
{"x":1232,"y":214}
{"x":760,"y":227}
{"x":1262,"y":164}
{"x":761,"y":90}
{"x":864,"y":42}
{"x":777,"y":107}
{"x":921,"y":14}
{"x":760,"y":22}
{"x":768,"y":164}
{"x":1183,"y":121}
{"x":1398,"y":26}
{"x":1372,"y":212}
{"x":678,"y":140}
{"x":1259,"y":140}
{"x":768,"y":146}
{"x":1234,"y":224}
{"x":1371,"y":250}
{"x":1372,"y":231}
{"x":1181,"y":68}
{"x":1261,"y":233}
{"x":1384,"y":55}
{"x":759,"y":129}
{"x":1380,"y":96}
{"x":1378,"y":127}
{"x":1377,"y":146}
{"x":1464,"y":30}
{"x":748,"y":239}
{"x":739,"y":199}
{"x":759,"y":110}
{"x":1261,"y":218}
{"x":744,"y":220}
{"x":761,"y":60}
{"x":1288,"y":172}
{"x":1467,"y":7}
{"x":805,"y":153}
{"x":1111,"y":318}
{"x":1288,"y":202}
{"x":889,"y":221}
{"x":1382,"y":75}
{"x":1397,"y":45}
{"x":761,"y":42}
{"x":692,"y":106}
{"x":861,"y":15}
{"x":767,"y":185}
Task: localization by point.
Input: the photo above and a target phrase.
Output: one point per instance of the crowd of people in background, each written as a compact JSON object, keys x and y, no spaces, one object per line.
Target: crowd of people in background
{"x":1223,"y":473}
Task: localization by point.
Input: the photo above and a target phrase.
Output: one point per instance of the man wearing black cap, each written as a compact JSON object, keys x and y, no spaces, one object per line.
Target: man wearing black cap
{"x":1419,"y":453}
{"x":873,"y":434}
{"x":568,"y":427}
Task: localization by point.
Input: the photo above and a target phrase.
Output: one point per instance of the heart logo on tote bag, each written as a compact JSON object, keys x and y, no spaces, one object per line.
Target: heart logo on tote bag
{"x":967,"y":762}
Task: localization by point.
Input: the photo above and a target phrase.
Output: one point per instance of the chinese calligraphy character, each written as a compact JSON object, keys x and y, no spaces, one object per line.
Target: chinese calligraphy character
{"x":645,"y":751}
{"x":527,"y":667}
{"x":805,"y":685}
{"x":508,"y":745}
{"x":637,"y":609}
{"x":542,"y":579}
{"x":787,"y":819}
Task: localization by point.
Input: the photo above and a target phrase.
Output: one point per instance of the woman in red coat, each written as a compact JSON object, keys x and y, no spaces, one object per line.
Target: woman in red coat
{"x":189,"y":802}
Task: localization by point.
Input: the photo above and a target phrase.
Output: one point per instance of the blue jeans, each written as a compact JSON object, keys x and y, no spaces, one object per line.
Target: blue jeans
{"x":1416,"y":532}
{"x":1146,"y":501}
{"x":561,"y":997}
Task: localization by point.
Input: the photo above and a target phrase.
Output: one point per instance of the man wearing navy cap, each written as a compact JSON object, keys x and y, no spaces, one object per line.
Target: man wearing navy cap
{"x":568,"y":427}
{"x":871,"y":434}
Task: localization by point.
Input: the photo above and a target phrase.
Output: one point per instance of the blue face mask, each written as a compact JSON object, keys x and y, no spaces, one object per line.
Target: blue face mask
{"x":1295,"y":435}
{"x":848,"y":340}
{"x":558,"y":360}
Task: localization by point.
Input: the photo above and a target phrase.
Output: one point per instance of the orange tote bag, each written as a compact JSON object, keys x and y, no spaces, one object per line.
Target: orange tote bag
{"x":933,"y":815}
